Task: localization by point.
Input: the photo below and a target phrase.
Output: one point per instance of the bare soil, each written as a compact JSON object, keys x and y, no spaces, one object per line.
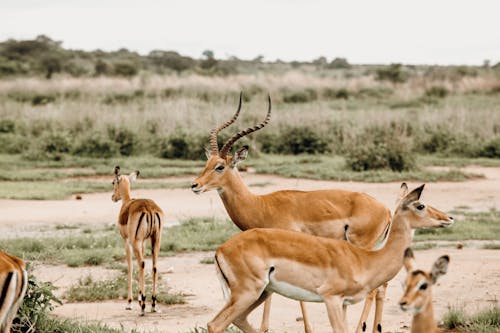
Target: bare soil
{"x":472,"y":282}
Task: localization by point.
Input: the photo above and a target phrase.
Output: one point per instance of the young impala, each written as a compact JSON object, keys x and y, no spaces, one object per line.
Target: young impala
{"x":417,"y":297}
{"x":139,"y":220}
{"x":255,"y":263}
{"x":335,"y":214}
{"x":13,"y":285}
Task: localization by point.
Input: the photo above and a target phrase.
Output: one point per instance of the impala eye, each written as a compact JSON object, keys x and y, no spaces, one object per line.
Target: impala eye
{"x":219,"y":168}
{"x":423,"y":286}
{"x":420,"y":207}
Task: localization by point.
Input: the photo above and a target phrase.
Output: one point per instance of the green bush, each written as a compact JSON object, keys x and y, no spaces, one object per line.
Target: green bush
{"x":299,"y":96}
{"x":491,"y":149}
{"x":339,"y":63}
{"x":125,"y":68}
{"x":7,"y":126}
{"x":126,"y":140}
{"x":436,"y":92}
{"x":14,"y":143}
{"x":331,"y":93}
{"x":299,"y":140}
{"x":379,"y":148}
{"x":393,"y":73}
{"x":50,"y":146}
{"x":96,"y":145}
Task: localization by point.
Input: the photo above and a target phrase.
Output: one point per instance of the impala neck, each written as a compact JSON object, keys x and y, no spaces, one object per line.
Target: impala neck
{"x":424,"y":322}
{"x":125,"y":195}
{"x":237,"y":198}
{"x":386,"y":262}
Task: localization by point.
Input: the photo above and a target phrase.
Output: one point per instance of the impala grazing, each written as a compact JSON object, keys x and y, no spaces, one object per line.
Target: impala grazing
{"x":417,"y":297}
{"x":13,"y":285}
{"x":335,"y":214}
{"x":255,"y":263}
{"x":139,"y":220}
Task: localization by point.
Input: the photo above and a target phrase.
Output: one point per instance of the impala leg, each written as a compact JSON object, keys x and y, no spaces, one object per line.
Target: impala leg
{"x":138,"y":251}
{"x":307,"y":326}
{"x":130,"y":270}
{"x":335,"y":313}
{"x":366,"y":311}
{"x":379,"y":307}
{"x":242,"y":323}
{"x":155,"y":249}
{"x":235,"y":310}
{"x":264,"y":326}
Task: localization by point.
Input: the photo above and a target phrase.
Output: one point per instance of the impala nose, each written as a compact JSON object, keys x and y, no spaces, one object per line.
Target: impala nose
{"x":194,"y":185}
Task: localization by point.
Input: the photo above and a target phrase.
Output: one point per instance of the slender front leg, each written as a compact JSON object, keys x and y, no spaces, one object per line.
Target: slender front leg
{"x":264,"y":326}
{"x":379,"y":307}
{"x":138,"y":246}
{"x":307,"y":326}
{"x":130,"y":269}
{"x":334,"y":306}
{"x":366,"y":311}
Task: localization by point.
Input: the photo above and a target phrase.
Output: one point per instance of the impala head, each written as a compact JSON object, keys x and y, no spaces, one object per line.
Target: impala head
{"x":121,"y":184}
{"x":421,"y":215}
{"x":417,"y":286}
{"x":220,"y":164}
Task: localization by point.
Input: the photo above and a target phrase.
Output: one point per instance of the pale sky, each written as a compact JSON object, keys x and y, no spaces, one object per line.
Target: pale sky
{"x":369,"y":31}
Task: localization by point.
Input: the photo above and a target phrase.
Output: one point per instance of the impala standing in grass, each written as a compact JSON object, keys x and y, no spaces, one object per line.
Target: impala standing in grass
{"x":417,"y":297}
{"x":13,"y":285}
{"x":335,"y":214}
{"x":139,"y":220}
{"x":254,"y":264}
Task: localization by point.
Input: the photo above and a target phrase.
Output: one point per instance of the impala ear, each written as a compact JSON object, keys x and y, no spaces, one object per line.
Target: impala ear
{"x":117,"y":171}
{"x":240,"y":155}
{"x":409,"y":260}
{"x":133,"y":176}
{"x":439,"y":268}
{"x":403,"y":191}
{"x":413,"y":195}
{"x":208,"y":153}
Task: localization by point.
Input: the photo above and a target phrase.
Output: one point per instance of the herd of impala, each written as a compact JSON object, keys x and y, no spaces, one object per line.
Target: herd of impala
{"x":332,"y":246}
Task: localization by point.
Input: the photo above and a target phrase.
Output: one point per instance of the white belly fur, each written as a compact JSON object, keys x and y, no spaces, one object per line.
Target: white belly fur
{"x":291,"y":291}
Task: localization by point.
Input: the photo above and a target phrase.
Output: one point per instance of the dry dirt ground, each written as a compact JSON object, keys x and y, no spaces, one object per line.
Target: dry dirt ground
{"x":473,"y":280}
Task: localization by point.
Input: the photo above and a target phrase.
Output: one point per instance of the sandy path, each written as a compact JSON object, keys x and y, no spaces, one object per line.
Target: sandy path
{"x":179,"y":204}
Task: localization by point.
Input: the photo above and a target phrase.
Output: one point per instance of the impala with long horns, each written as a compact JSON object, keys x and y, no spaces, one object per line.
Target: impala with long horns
{"x":335,"y":214}
{"x":13,"y":285}
{"x":256,"y":263}
{"x":139,"y":220}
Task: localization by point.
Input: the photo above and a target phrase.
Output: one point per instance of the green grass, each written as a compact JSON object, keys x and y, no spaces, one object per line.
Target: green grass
{"x":104,"y":246}
{"x":207,"y":261}
{"x":468,"y":225}
{"x":485,"y":321}
{"x":50,"y":180}
{"x":89,"y":290}
{"x":491,"y":246}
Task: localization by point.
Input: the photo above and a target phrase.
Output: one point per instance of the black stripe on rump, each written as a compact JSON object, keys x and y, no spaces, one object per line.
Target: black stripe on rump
{"x":139,"y":224}
{"x":159,"y":220}
{"x":5,"y":288}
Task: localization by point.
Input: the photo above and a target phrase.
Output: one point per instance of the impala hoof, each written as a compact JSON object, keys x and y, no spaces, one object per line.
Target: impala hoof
{"x":128,"y":307}
{"x":155,"y":310}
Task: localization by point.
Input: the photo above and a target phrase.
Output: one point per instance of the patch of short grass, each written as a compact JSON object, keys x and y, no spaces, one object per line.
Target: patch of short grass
{"x":485,"y":321}
{"x":230,"y":329}
{"x":198,"y":234}
{"x":328,"y":167}
{"x":89,"y":290}
{"x":468,"y":225}
{"x":491,"y":246}
{"x":207,"y":261}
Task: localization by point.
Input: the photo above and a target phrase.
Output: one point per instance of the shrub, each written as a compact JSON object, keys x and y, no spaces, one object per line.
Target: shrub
{"x":393,"y":73}
{"x":38,"y":302}
{"x":331,"y":93}
{"x":50,"y":146}
{"x":125,"y":68}
{"x":299,"y":140}
{"x":379,"y":148}
{"x":96,"y":145}
{"x":126,"y":139}
{"x":7,"y":126}
{"x":14,"y":143}
{"x":41,"y":99}
{"x":436,"y":92}
{"x":491,"y":149}
{"x":299,"y":96}
{"x":183,"y":146}
{"x":339,"y":63}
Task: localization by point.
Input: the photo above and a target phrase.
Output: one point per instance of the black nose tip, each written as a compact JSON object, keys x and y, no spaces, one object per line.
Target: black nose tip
{"x":450,"y":217}
{"x":193,"y":185}
{"x":402,"y":303}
